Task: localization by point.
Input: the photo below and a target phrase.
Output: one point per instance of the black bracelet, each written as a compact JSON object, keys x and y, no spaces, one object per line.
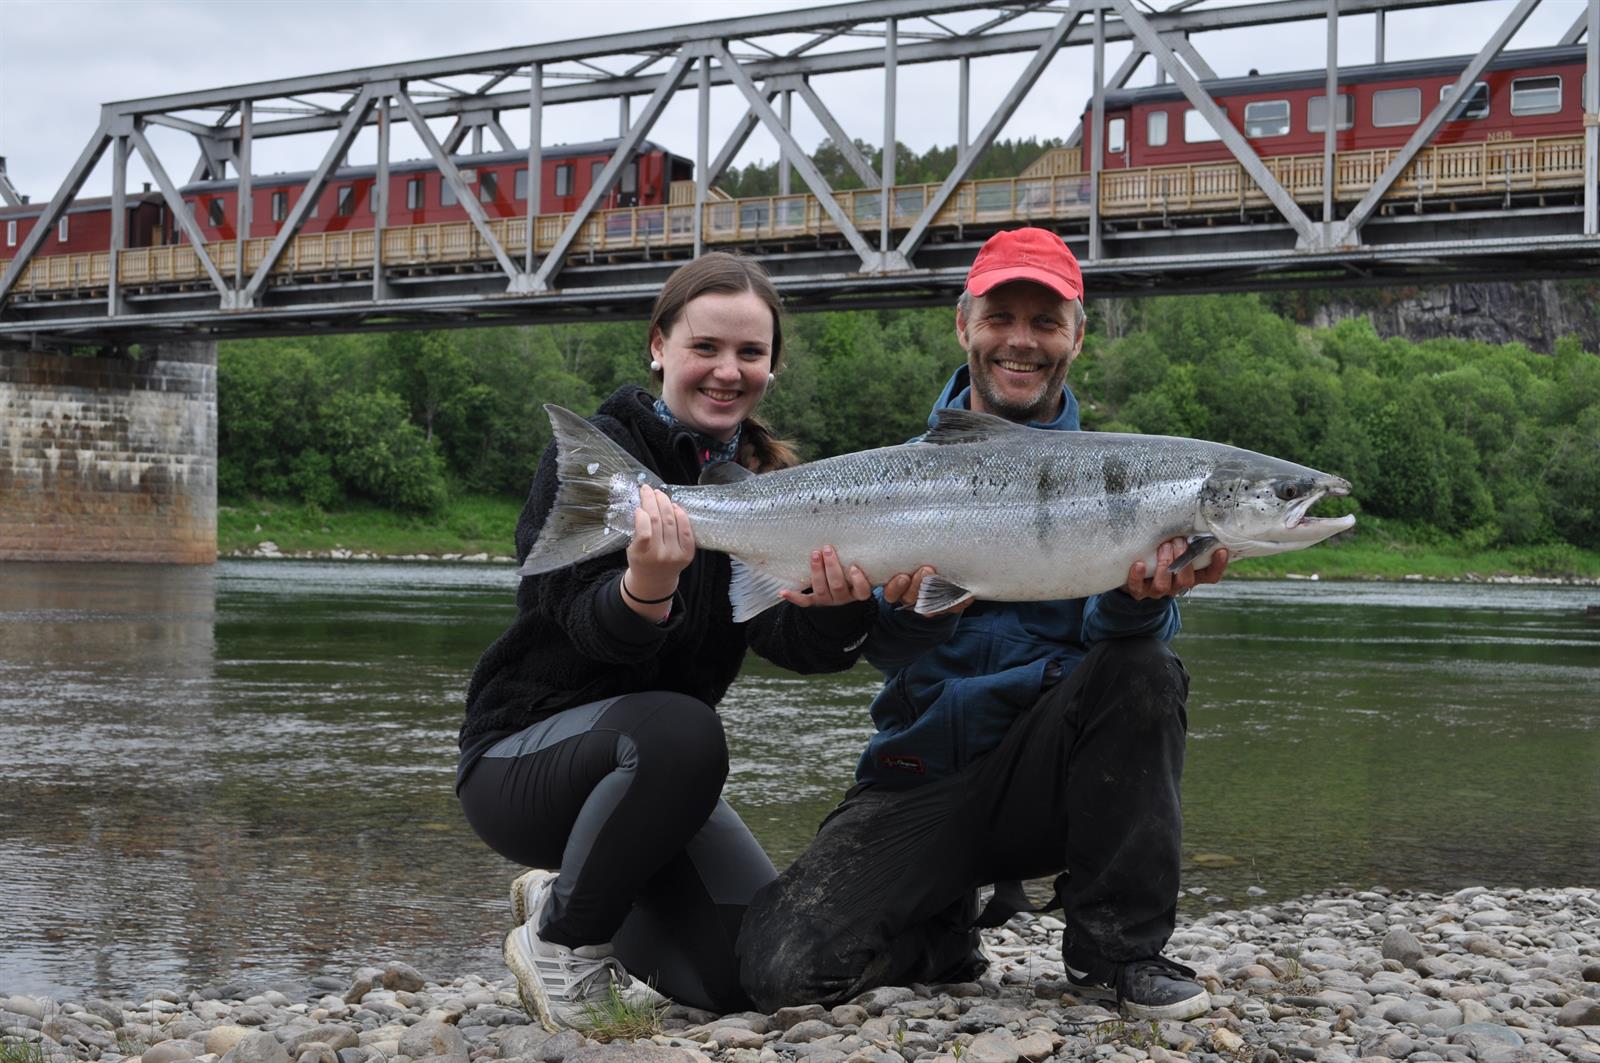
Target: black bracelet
{"x":626,"y":593}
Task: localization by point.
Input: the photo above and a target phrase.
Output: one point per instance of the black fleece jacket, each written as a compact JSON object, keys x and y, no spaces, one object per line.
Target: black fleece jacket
{"x":574,"y":640}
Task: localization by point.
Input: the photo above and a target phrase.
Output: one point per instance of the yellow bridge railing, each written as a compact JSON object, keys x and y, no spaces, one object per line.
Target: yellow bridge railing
{"x":1447,"y":171}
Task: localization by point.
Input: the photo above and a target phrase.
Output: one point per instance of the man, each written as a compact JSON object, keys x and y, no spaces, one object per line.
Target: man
{"x":1014,"y":739}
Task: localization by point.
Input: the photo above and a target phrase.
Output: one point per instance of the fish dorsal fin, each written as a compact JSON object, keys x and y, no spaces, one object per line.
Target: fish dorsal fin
{"x":752,"y":591}
{"x":724,"y":472}
{"x":966,"y":426}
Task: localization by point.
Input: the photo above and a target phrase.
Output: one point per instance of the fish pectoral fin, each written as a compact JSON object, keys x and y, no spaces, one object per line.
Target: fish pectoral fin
{"x":938,"y":594}
{"x":724,"y":472}
{"x":1200,"y":545}
{"x":752,"y":591}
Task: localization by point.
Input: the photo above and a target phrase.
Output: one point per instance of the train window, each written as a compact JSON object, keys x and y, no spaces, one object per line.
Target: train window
{"x":1475,"y":104}
{"x":564,"y":179}
{"x":1116,"y":135}
{"x":488,"y":186}
{"x":630,"y":178}
{"x":61,"y":230}
{"x":347,"y":200}
{"x":11,"y":234}
{"x":595,"y":168}
{"x":1266,"y":118}
{"x":416,"y":189}
{"x":447,"y":193}
{"x":1196,"y":130}
{"x":1536,"y":95}
{"x":1391,"y":107}
{"x":280,"y":206}
{"x":519,"y":184}
{"x":1155,"y":129}
{"x":1317,"y":113}
{"x":216,"y":213}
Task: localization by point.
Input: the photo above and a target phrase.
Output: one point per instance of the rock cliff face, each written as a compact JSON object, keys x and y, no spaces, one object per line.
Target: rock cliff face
{"x":1534,"y":313}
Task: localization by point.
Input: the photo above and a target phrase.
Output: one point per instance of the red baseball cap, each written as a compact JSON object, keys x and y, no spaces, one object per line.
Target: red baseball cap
{"x":1029,"y":254}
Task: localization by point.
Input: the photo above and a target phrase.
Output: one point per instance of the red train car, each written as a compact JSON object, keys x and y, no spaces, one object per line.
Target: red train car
{"x":419,"y":195}
{"x":86,"y":225}
{"x":1521,"y":94}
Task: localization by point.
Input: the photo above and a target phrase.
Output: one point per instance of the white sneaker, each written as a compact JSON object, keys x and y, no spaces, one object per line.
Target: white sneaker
{"x":563,"y":986}
{"x":525,"y":892}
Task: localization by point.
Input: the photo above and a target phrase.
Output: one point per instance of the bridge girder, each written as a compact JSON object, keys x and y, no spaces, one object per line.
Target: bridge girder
{"x":746,"y":53}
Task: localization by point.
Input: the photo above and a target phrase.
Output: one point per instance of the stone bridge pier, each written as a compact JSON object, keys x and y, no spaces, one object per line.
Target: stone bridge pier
{"x":109,"y":458}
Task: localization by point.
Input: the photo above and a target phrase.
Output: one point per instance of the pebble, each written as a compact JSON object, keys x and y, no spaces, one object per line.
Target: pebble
{"x":1475,"y":976}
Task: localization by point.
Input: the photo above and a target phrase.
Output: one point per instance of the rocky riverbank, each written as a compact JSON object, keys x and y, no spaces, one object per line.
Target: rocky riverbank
{"x":1493,"y":976}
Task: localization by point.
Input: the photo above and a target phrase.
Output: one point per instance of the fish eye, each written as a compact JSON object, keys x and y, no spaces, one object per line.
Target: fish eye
{"x":1289,"y":492}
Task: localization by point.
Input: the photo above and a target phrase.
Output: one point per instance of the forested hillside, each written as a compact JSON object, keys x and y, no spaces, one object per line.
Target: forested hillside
{"x":1494,"y":444}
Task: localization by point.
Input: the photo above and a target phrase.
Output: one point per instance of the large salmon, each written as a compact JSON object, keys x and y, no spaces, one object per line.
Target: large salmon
{"x":1000,"y":510}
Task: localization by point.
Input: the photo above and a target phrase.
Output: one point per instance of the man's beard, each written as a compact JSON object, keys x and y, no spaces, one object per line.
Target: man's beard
{"x":1041,"y":408}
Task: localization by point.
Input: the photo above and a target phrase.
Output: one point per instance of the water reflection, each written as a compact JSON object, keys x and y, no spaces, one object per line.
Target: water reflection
{"x":245,"y":772}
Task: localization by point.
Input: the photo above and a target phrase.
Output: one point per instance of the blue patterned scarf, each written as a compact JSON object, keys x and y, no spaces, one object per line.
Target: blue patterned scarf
{"x":710,"y":450}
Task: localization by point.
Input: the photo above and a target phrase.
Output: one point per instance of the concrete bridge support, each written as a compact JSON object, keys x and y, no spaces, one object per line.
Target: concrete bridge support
{"x":107,"y":458}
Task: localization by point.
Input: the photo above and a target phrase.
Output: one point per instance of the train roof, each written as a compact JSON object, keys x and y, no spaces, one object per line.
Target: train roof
{"x":1348,"y":75}
{"x":488,"y":158}
{"x":77,"y":206}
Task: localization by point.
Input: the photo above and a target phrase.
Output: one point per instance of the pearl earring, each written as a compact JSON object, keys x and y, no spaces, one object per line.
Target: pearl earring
{"x":770,"y":378}
{"x":655,"y":365}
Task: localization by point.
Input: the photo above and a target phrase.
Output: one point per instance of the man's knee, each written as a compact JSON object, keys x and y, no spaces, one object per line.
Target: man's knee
{"x":787,"y":959}
{"x":1140,"y":677}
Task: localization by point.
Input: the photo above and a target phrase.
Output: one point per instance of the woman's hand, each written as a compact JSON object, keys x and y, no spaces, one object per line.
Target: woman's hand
{"x":831,"y":584}
{"x":902,"y":591}
{"x":662,"y":547}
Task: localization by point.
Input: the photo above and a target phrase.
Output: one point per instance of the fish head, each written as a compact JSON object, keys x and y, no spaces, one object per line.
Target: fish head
{"x":1259,"y":507}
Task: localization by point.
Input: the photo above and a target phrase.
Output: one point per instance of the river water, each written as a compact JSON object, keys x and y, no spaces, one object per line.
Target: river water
{"x":244,"y":772}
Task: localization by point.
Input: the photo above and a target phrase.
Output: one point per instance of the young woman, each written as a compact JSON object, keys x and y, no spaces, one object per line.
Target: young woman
{"x":590,"y":747}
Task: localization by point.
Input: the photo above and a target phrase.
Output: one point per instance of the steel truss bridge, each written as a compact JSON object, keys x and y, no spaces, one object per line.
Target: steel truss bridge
{"x":1308,"y":221}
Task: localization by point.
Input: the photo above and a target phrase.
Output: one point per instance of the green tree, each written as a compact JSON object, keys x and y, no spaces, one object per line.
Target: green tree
{"x":379,"y":453}
{"x":267,"y":396}
{"x":1572,"y":480}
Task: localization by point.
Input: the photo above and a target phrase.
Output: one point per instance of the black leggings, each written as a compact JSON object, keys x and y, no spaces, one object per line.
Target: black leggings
{"x":623,"y":796}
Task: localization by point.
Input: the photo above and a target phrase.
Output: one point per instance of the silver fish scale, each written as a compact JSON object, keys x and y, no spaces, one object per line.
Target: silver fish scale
{"x":1054,"y":516}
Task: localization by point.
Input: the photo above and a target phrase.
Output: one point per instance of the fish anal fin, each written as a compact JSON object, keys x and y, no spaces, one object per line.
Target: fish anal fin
{"x":938,"y":594}
{"x":966,"y":426}
{"x":753,"y":591}
{"x":1199,"y":553}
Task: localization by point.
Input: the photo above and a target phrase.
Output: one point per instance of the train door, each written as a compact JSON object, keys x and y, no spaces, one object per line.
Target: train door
{"x":1117,"y":127}
{"x":627,"y":194}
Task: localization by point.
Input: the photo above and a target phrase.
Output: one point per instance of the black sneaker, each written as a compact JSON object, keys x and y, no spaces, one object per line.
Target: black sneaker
{"x":1155,"y":988}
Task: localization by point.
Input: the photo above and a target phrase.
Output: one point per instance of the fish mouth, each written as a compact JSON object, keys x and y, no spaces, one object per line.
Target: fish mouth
{"x":1295,"y":520}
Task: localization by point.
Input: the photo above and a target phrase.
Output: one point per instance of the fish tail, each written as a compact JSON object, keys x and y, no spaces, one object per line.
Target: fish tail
{"x":598,"y":492}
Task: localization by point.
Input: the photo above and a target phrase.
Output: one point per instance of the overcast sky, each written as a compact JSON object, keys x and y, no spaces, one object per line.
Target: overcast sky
{"x":61,"y":59}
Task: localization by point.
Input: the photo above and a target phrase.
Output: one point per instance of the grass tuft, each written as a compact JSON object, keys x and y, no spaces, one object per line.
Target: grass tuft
{"x":1123,"y":1032}
{"x":616,"y":1019}
{"x":17,"y":1051}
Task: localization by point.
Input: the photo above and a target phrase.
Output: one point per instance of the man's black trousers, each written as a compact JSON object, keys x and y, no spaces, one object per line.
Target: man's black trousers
{"x":1084,"y":786}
